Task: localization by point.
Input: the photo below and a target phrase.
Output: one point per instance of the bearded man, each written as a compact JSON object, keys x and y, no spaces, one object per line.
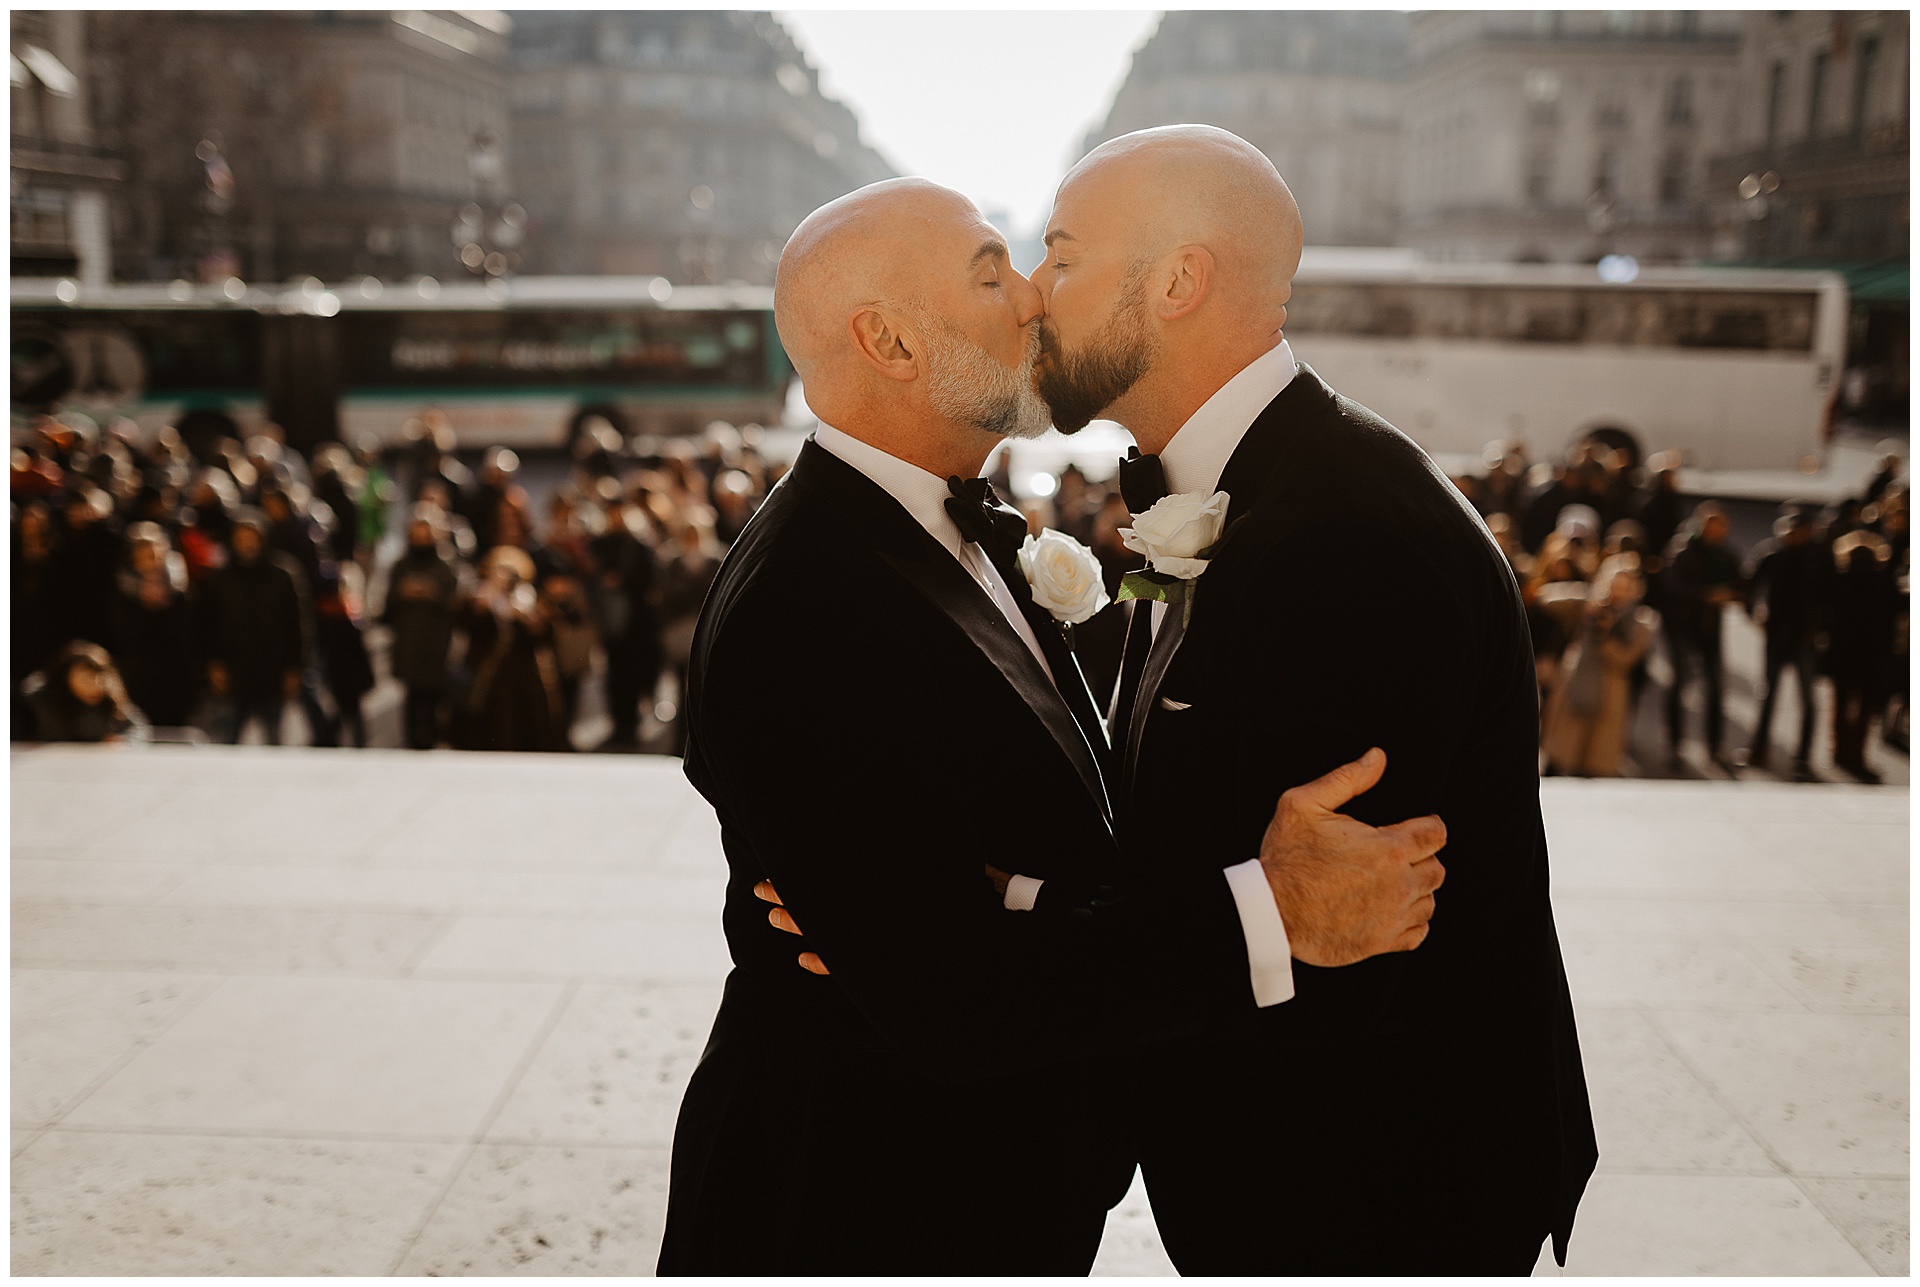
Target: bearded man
{"x":1415,"y":1113}
{"x":939,"y":1103}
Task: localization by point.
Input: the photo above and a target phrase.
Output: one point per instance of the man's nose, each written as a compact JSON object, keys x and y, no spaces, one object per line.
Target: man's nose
{"x":1027,"y":303}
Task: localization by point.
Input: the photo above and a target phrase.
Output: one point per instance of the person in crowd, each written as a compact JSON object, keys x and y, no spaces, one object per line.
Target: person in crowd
{"x":79,"y":697}
{"x":479,"y":504}
{"x":1787,"y":578}
{"x":1589,"y":713}
{"x":339,"y":614}
{"x":429,"y":459}
{"x":259,"y":631}
{"x":734,"y":502}
{"x":1884,"y":477}
{"x":514,"y":701}
{"x":626,"y":566}
{"x":563,"y":602}
{"x":160,"y":656}
{"x":1859,"y":635}
{"x":339,"y":484}
{"x":1548,"y":492}
{"x":423,"y":603}
{"x":1894,"y":529}
{"x":35,"y":634}
{"x":1500,"y":524}
{"x":1660,"y":512}
{"x":85,"y":562}
{"x":1075,"y":502}
{"x":1702,"y":577}
{"x":294,"y":532}
{"x":684,"y":578}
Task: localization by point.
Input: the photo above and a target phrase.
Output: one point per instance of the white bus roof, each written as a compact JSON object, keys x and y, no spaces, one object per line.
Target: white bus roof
{"x":1398,"y":264}
{"x":367,"y":294}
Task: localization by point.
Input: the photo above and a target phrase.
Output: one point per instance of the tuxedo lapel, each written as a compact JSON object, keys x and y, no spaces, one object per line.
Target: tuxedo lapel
{"x":937,"y":576}
{"x":1166,"y":642}
{"x":1071,"y":681}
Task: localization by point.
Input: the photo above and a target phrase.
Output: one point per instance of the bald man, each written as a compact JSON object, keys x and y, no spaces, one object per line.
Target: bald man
{"x":877,"y":715}
{"x":1422,"y":1112}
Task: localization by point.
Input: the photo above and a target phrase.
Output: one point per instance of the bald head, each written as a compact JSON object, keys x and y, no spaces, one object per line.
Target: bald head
{"x":867,"y":247}
{"x":1198,"y":184}
{"x":905,"y":321}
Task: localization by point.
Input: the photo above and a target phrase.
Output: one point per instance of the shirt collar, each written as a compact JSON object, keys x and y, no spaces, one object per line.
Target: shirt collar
{"x":921,"y":494}
{"x":1200,"y":448}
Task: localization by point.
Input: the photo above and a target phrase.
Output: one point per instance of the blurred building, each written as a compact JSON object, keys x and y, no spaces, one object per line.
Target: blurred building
{"x":63,"y":181}
{"x":1816,"y":162}
{"x":686,"y":144}
{"x":274,"y":145}
{"x":1318,"y":92}
{"x":1816,"y":175}
{"x":1564,"y":136}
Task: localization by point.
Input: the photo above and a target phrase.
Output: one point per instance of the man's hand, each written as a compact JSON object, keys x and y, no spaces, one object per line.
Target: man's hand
{"x":783,"y":919}
{"x":1347,"y":891}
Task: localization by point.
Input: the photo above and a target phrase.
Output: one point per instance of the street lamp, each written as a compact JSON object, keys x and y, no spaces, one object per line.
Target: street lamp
{"x":1755,"y":193}
{"x":487,"y":234}
{"x":216,"y":198}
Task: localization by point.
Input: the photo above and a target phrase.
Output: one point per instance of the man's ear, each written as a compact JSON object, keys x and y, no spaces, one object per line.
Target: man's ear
{"x":885,"y":347}
{"x":1187,"y":280}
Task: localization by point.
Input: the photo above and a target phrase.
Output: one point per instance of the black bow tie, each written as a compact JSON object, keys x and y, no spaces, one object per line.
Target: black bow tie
{"x":982,"y":519}
{"x":976,"y":510}
{"x":1142,"y":481}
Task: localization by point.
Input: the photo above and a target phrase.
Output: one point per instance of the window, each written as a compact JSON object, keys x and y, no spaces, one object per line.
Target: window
{"x":1606,"y":173}
{"x":1673,"y":177}
{"x":1539,"y":177}
{"x":1863,"y":81}
{"x":1610,"y":110}
{"x":1776,"y":98}
{"x":1816,"y":92}
{"x":1680,"y":102}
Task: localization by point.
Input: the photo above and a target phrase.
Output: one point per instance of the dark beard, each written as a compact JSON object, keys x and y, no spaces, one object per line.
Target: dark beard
{"x":1080,"y":386}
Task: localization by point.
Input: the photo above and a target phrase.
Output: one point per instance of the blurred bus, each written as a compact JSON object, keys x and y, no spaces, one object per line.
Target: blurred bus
{"x":521,"y":364}
{"x":1733,"y":368}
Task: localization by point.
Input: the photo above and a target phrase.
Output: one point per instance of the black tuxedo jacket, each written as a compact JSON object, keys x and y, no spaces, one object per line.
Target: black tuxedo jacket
{"x":1359,"y":601}
{"x":871,"y":733}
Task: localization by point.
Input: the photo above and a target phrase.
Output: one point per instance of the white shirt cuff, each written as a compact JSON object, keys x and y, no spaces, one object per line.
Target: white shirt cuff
{"x":1269,"y":955}
{"x":1022,"y":893}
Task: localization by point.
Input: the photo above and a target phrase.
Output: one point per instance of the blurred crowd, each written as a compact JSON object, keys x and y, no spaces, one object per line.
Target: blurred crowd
{"x":1616,"y":567}
{"x":188,"y":591}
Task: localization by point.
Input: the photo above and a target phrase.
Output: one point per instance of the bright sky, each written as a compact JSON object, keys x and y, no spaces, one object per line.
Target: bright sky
{"x":993,"y":103}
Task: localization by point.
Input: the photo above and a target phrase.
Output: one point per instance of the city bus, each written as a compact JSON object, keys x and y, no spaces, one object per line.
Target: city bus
{"x":1733,"y":369}
{"x":523,"y":363}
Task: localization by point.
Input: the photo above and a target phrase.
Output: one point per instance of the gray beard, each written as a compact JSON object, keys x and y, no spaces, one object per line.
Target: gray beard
{"x":966,"y":385}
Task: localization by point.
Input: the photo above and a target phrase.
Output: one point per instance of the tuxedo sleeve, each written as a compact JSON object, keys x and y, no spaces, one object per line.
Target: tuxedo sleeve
{"x":875,"y":818}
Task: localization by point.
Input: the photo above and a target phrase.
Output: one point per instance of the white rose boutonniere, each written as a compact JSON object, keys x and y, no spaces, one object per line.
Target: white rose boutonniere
{"x":1064,"y":576}
{"x":1179,"y":535}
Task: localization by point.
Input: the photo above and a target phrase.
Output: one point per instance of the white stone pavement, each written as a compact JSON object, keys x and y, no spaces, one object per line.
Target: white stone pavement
{"x":304,"y":1012}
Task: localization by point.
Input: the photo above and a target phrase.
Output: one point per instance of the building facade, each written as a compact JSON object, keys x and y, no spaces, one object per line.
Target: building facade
{"x":63,"y":181}
{"x":273,"y":145}
{"x":682,"y":144}
{"x":1816,"y":164}
{"x":1318,"y":92}
{"x":1816,"y":175}
{"x":1565,"y":136}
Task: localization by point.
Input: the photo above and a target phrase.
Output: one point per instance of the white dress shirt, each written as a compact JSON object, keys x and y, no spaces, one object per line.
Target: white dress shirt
{"x":1194,"y":460}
